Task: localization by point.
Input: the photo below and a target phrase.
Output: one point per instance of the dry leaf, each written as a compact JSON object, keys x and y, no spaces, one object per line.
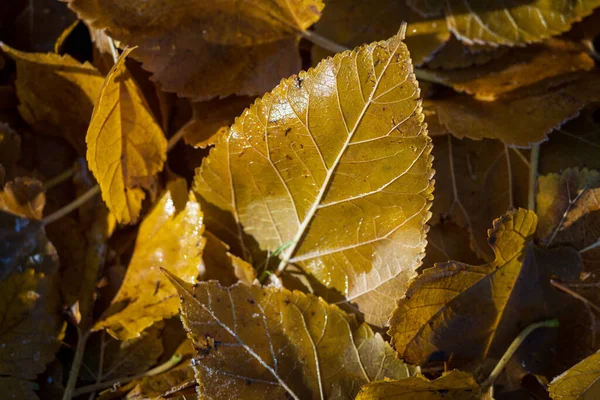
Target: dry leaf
{"x":452,"y":385}
{"x":56,"y":94}
{"x":220,"y":265}
{"x":353,"y":22}
{"x":343,"y":142}
{"x":468,"y":315}
{"x":126,"y":146}
{"x":169,"y":237}
{"x":455,"y":54}
{"x":206,"y":48}
{"x":255,"y":342}
{"x":448,"y":241}
{"x":24,"y":197}
{"x":582,"y":381}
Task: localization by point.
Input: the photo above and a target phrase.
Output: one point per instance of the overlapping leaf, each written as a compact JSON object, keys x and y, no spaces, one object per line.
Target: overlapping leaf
{"x":169,"y":237}
{"x":485,"y":306}
{"x":582,"y":381}
{"x":453,"y":385}
{"x":56,"y":94}
{"x":336,"y":161}
{"x":204,"y":48}
{"x":255,"y":342}
{"x":126,"y":148}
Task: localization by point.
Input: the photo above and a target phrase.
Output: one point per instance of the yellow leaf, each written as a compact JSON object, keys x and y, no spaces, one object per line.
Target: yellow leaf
{"x":354,"y":22}
{"x":336,"y":161}
{"x":168,"y":238}
{"x":484,"y":306}
{"x":255,"y":342}
{"x":126,"y":147}
{"x":453,"y":385}
{"x":580,"y":382}
{"x":208,"y":48}
{"x":24,"y":197}
{"x":56,"y":94}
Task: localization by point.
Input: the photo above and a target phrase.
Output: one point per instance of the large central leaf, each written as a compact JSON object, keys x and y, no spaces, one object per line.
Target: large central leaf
{"x":336,"y":161}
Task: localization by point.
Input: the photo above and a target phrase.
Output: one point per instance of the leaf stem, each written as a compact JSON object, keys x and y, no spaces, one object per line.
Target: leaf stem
{"x":72,"y":206}
{"x":574,"y":294}
{"x":551,"y":323}
{"x":534,"y":162}
{"x":172,"y":362}
{"x":590,"y":247}
{"x":58,"y":179}
{"x":74,"y":374}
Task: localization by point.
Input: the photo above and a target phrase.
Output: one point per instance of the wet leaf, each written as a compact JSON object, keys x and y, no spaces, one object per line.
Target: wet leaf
{"x":582,"y":381}
{"x":30,"y":325}
{"x":169,"y":237}
{"x":211,"y":118}
{"x":353,"y":22}
{"x":208,"y":48}
{"x":126,"y":146}
{"x":453,"y":385}
{"x":56,"y":94}
{"x":486,"y":306}
{"x":24,"y":197}
{"x":475,"y":182}
{"x":343,"y":142}
{"x":255,"y":342}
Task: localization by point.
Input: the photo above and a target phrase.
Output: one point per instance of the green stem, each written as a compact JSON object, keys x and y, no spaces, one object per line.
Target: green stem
{"x":551,"y":323}
{"x":74,"y":374}
{"x":173,"y":361}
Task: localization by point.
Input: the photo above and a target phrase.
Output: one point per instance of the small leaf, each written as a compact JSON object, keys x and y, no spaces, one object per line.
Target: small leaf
{"x":126,"y":147}
{"x":56,"y":94}
{"x":471,"y":313}
{"x":353,"y":22}
{"x":167,"y":238}
{"x":453,"y":385}
{"x":255,"y":342}
{"x":24,"y":197}
{"x":343,"y":142}
{"x":582,"y":381}
{"x":208,"y":48}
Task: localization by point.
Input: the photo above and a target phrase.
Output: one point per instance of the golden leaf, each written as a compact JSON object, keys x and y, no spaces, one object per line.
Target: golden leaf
{"x":168,"y":238}
{"x":255,"y":342}
{"x":206,"y":48}
{"x":580,"y":382}
{"x":335,"y":161}
{"x":485,"y":306}
{"x":24,"y":197}
{"x":56,"y":94}
{"x":452,"y":385}
{"x":126,"y":147}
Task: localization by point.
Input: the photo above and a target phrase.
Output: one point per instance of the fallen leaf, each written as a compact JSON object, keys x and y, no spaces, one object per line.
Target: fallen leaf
{"x":169,"y":237}
{"x":56,"y":94}
{"x":126,"y":147}
{"x":255,"y":342}
{"x":468,"y":315}
{"x":517,"y":118}
{"x":30,"y":326}
{"x":353,"y":22}
{"x":342,"y":142}
{"x":475,"y":182}
{"x":24,"y":197}
{"x":582,"y":381}
{"x":455,"y":54}
{"x":211,"y":118}
{"x":18,"y":389}
{"x":220,"y":265}
{"x":208,"y":48}
{"x":452,"y":385}
{"x":448,"y":241}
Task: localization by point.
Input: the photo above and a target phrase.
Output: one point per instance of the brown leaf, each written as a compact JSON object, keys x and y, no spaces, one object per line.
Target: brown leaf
{"x":208,"y":48}
{"x":448,"y":241}
{"x":455,"y":54}
{"x":255,"y":342}
{"x":468,"y":315}
{"x":220,"y":265}
{"x":356,"y":153}
{"x":24,"y":197}
{"x":56,"y":94}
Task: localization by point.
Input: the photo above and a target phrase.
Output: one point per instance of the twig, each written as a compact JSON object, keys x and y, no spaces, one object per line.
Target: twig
{"x":58,"y":179}
{"x":582,"y":284}
{"x":72,"y":206}
{"x":100,"y":362}
{"x":74,"y":374}
{"x":521,"y":156}
{"x":551,"y":323}
{"x":174,"y":139}
{"x":172,"y":362}
{"x":576,"y":295}
{"x":511,"y":203}
{"x":533,"y":173}
{"x":590,"y":247}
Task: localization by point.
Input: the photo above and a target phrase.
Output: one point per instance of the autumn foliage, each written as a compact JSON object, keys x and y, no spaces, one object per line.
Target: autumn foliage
{"x":299,"y":199}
